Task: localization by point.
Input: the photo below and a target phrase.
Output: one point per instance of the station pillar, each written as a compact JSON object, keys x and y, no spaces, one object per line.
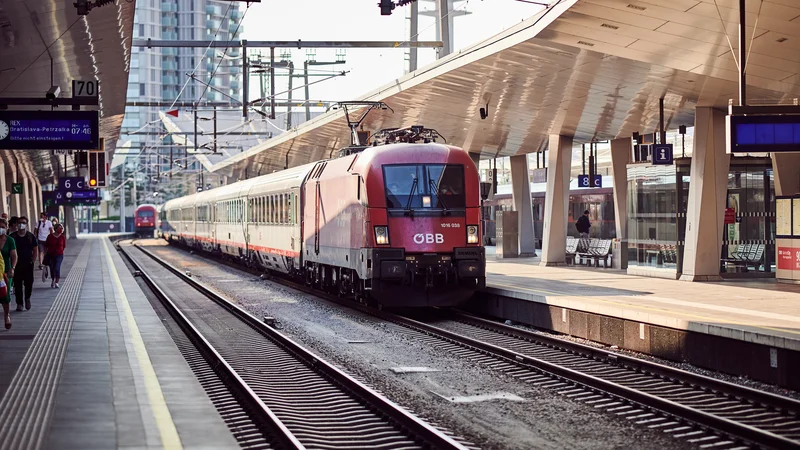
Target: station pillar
{"x":5,"y":189}
{"x":29,"y":194}
{"x":70,"y":227}
{"x":38,"y":201}
{"x":556,"y":201}
{"x":16,"y":200}
{"x":523,"y":204}
{"x":786,"y":168}
{"x":708,"y":190}
{"x":621,"y":152}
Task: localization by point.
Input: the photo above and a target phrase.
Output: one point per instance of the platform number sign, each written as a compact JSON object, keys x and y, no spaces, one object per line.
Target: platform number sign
{"x":598,"y":181}
{"x":88,"y":88}
{"x":583,"y":181}
{"x":662,"y":154}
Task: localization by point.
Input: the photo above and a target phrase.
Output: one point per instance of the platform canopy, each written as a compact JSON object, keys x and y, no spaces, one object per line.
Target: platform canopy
{"x":92,"y":47}
{"x":592,"y":69}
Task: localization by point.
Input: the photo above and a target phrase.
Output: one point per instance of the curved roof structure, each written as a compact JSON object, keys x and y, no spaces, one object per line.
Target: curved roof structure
{"x":45,"y":42}
{"x":592,"y":69}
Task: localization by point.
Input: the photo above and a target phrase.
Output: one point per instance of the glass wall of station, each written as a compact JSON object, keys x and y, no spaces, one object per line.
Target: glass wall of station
{"x":657,"y":203}
{"x":653,"y":216}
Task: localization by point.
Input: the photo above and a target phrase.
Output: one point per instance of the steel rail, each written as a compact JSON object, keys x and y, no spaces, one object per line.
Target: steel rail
{"x":721,"y":424}
{"x":430,"y":435}
{"x":280,"y":433}
{"x":767,"y":399}
{"x":669,"y":407}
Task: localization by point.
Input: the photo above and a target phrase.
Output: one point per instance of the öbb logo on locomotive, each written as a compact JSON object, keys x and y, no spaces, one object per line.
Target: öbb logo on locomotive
{"x":428,"y":238}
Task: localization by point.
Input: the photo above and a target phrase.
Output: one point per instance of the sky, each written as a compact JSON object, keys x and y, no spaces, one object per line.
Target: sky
{"x":328,"y":20}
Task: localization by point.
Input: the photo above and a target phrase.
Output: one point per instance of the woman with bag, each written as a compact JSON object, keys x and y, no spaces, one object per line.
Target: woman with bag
{"x":56,"y":243}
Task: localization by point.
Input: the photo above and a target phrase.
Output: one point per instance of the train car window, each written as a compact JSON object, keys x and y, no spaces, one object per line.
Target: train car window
{"x":420,"y":186}
{"x":286,"y":208}
{"x":271,"y":209}
{"x":280,"y":208}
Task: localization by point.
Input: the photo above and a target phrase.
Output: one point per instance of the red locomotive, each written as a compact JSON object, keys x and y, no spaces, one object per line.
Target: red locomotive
{"x":397,"y":224}
{"x":144,"y":220}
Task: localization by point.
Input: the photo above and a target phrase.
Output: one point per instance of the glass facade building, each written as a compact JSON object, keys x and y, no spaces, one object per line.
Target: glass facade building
{"x":657,"y":203}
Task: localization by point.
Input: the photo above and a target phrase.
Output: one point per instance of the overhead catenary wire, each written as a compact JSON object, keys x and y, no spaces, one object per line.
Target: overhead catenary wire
{"x":200,"y":61}
{"x":224,"y":52}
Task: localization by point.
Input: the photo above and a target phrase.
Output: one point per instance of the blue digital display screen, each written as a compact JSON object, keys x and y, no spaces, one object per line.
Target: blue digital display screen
{"x":47,"y":130}
{"x":761,"y":134}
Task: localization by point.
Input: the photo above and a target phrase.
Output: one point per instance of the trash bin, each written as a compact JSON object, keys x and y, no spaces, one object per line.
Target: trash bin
{"x":507,"y":234}
{"x":619,"y":255}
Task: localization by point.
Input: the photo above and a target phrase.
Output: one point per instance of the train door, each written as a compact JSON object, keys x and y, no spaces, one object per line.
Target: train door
{"x":317,"y":207}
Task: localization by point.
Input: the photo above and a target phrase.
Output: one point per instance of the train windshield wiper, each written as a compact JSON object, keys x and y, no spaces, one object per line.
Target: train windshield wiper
{"x":411,"y":194}
{"x":439,"y":197}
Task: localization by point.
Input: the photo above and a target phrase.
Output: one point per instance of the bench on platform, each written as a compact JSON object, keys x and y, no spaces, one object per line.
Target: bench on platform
{"x":747,"y":255}
{"x":580,"y":250}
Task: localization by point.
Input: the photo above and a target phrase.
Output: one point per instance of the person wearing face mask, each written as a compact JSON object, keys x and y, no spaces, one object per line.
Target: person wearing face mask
{"x":5,"y":300}
{"x":43,"y":229}
{"x":9,"y":252}
{"x":56,"y":243}
{"x":27,"y":255}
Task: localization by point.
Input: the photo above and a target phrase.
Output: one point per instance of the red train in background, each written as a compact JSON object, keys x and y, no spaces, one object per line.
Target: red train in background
{"x":395,"y":224}
{"x":145,"y":220}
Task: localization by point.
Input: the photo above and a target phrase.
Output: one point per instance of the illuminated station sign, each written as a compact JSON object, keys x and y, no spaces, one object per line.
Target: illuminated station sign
{"x":49,"y":130}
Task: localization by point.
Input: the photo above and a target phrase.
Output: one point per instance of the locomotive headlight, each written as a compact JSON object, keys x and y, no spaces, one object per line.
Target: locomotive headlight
{"x":382,"y":235}
{"x":426,"y":201}
{"x":472,"y":234}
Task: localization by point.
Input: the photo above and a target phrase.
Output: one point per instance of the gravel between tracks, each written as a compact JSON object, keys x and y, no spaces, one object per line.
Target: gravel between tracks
{"x":369,"y":349}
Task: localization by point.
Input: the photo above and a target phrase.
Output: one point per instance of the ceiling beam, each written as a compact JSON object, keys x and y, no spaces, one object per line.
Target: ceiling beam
{"x":150,"y":43}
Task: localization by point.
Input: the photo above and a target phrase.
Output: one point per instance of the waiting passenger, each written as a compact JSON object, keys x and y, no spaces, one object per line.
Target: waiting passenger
{"x":56,"y":243}
{"x":43,"y":229}
{"x":27,"y":255}
{"x":583,"y":225}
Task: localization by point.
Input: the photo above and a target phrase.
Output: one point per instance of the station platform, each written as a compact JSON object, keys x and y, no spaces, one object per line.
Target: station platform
{"x":91,"y":366}
{"x":749,"y":328}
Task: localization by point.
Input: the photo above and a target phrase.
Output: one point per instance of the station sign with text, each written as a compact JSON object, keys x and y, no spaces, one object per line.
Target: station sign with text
{"x":49,"y":130}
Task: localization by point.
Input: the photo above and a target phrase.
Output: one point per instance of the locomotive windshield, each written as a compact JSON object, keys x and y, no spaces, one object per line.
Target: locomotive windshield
{"x":146,"y":213}
{"x":419,"y":186}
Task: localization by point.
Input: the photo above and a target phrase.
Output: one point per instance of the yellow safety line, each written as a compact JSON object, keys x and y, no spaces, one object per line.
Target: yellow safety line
{"x":711,"y":320}
{"x":166,"y":427}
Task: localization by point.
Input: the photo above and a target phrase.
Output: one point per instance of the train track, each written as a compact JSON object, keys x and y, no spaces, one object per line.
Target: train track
{"x":308,"y":402}
{"x":704,"y":411}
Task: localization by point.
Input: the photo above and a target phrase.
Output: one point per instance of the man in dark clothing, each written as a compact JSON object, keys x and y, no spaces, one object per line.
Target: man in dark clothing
{"x":583,"y":224}
{"x":27,"y":256}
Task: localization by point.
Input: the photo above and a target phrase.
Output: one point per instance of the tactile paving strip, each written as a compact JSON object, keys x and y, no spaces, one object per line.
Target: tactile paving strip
{"x":27,"y":406}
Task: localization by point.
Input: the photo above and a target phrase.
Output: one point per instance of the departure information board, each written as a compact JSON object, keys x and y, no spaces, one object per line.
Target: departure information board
{"x":764,"y":133}
{"x":49,"y":130}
